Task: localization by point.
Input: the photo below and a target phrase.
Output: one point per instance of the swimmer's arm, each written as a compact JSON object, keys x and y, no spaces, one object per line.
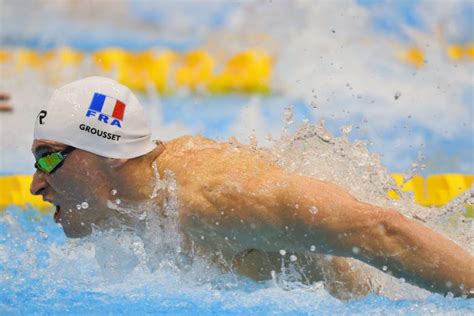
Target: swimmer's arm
{"x":381,"y":237}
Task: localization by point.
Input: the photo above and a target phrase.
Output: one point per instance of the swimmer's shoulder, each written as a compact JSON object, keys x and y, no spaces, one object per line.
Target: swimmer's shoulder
{"x":185,"y":150}
{"x":188,"y":142}
{"x":197,"y":147}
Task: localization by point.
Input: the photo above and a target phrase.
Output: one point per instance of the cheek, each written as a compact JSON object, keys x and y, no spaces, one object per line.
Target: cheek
{"x":71,"y":186}
{"x":78,"y":181}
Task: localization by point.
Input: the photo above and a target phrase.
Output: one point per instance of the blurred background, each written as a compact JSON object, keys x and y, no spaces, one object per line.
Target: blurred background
{"x":398,"y":74}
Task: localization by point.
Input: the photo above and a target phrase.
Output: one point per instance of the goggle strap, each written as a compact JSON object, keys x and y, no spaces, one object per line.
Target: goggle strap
{"x":67,"y":151}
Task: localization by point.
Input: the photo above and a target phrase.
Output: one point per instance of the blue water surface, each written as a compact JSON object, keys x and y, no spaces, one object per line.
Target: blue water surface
{"x":34,"y":279}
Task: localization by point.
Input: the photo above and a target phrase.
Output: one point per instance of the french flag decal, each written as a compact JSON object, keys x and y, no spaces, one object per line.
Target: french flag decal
{"x":106,"y":109}
{"x":108,"y":105}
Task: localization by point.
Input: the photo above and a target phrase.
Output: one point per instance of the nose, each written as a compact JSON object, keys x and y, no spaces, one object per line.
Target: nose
{"x":39,"y":183}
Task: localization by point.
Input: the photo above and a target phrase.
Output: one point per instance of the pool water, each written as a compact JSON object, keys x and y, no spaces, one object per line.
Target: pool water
{"x":41,"y":272}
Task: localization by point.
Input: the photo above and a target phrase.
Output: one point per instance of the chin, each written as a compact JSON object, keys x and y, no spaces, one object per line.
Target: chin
{"x":76,"y":233}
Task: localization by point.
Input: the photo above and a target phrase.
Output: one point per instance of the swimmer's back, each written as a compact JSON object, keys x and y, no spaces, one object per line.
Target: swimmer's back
{"x":196,"y":158}
{"x":223,"y":183}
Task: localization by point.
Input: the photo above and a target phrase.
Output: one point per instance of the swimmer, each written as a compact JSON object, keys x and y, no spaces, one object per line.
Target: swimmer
{"x":231,"y":200}
{"x":3,"y":106}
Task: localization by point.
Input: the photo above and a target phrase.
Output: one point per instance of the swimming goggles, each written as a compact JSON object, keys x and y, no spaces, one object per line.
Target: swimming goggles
{"x":50,"y":162}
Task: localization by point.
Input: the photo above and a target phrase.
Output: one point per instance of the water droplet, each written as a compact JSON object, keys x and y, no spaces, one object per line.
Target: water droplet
{"x":397,"y":95}
{"x":355,"y":250}
{"x":118,"y":201}
{"x":253,"y":140}
{"x":78,"y":206}
{"x":226,"y":238}
{"x":82,"y":224}
{"x":43,"y":234}
{"x":202,"y":237}
{"x":288,"y":115}
{"x":384,"y":268}
{"x":313,"y":210}
{"x":297,"y":206}
{"x":217,"y":223}
{"x":293,"y":258}
{"x":312,"y":248}
{"x":333,"y":31}
{"x":346,"y":129}
{"x":85,"y":205}
{"x":273,"y":274}
{"x":113,"y":192}
{"x":282,"y":252}
{"x":314,"y":105}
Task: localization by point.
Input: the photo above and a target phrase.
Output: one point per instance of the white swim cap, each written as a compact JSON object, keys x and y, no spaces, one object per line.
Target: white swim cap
{"x":98,"y":115}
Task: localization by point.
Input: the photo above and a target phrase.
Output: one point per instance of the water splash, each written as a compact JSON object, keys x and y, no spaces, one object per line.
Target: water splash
{"x":313,"y":151}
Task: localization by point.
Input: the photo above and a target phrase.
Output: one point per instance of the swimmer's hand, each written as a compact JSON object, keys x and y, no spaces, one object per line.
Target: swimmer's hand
{"x":3,"y":106}
{"x":4,"y":96}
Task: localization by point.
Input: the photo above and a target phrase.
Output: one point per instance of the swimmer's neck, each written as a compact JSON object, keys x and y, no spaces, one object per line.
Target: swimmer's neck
{"x":133,"y":180}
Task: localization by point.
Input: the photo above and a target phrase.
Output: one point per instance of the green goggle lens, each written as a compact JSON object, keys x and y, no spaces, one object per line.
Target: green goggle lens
{"x":49,"y":162}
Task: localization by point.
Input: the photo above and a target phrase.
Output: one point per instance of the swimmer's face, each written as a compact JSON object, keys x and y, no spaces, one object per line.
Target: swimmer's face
{"x":81,"y":178}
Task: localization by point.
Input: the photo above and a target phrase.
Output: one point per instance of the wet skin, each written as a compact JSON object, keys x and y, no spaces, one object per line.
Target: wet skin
{"x":233,"y":200}
{"x":85,"y":177}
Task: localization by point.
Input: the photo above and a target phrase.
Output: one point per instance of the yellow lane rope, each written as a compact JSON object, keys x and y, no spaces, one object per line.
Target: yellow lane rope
{"x":247,"y":71}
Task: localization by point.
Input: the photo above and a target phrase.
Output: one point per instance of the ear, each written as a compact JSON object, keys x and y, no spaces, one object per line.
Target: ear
{"x":155,"y":152}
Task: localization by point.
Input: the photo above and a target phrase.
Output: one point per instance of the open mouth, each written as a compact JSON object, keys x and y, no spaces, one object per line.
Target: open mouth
{"x":57,"y":214}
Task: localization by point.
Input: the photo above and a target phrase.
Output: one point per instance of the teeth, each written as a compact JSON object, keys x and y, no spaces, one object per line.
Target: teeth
{"x":57,"y":214}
